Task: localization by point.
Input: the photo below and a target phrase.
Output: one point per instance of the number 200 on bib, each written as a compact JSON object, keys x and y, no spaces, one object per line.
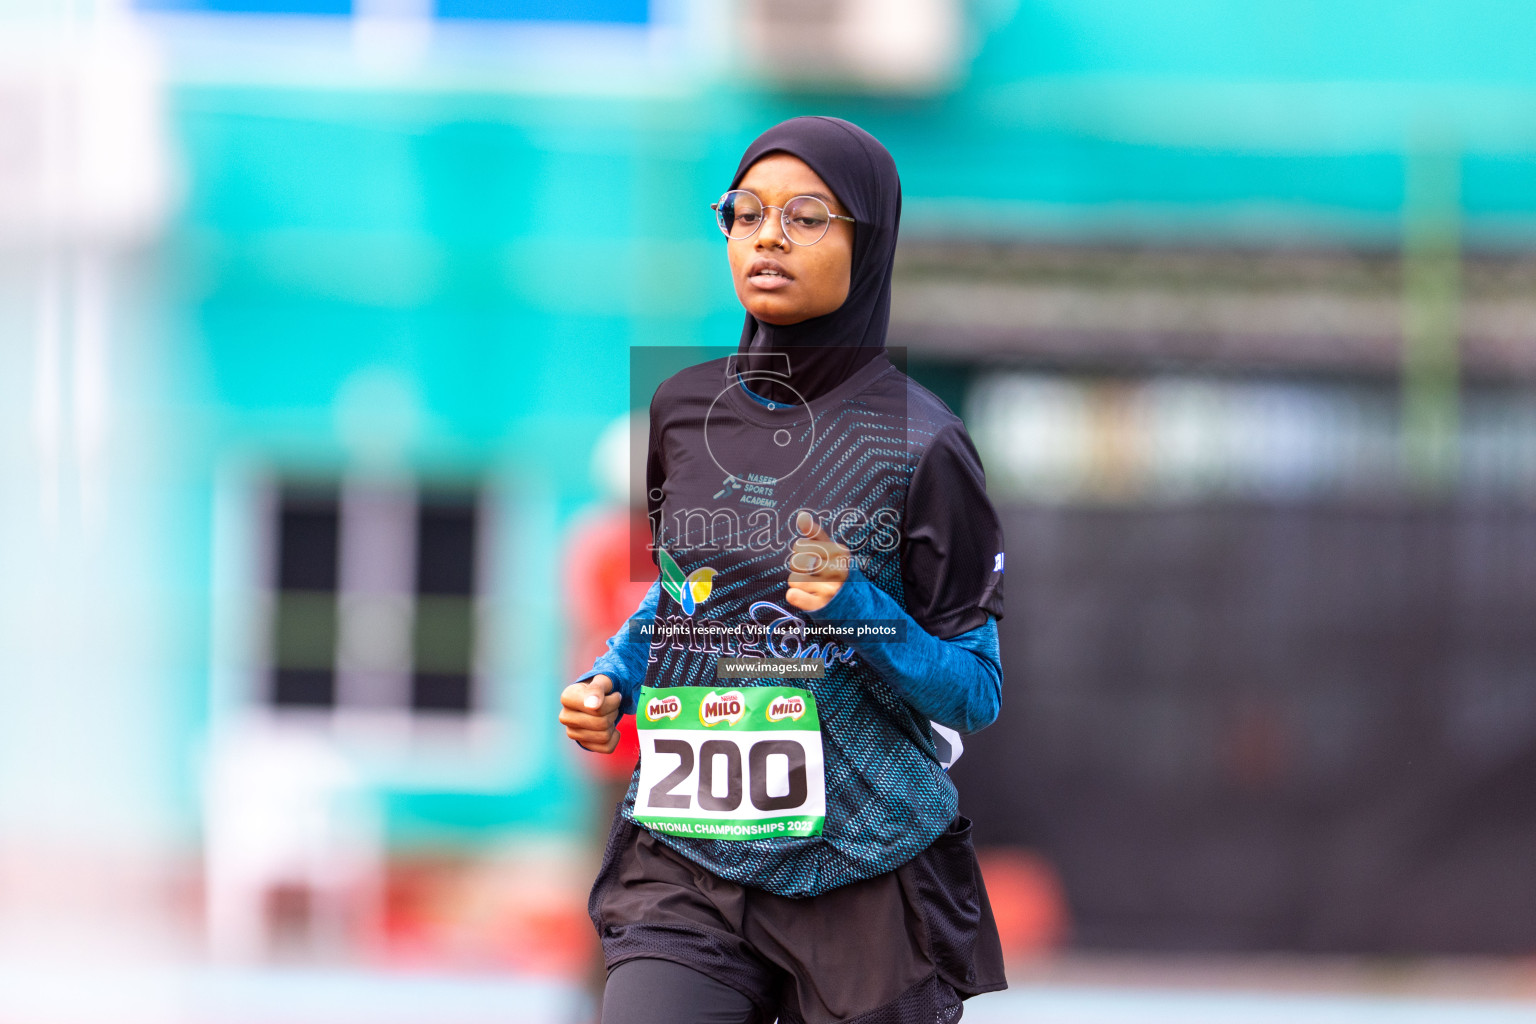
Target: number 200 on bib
{"x":724,"y":766}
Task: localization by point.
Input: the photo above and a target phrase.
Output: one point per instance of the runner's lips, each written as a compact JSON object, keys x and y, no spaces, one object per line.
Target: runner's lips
{"x":769,"y":275}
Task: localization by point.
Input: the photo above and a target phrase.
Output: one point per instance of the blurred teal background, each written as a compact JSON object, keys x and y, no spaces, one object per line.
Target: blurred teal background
{"x":399,"y":246}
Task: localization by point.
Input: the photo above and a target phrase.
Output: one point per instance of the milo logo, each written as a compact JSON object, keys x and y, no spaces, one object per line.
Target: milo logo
{"x":786,"y":707}
{"x":715,"y":708}
{"x":663,"y":707}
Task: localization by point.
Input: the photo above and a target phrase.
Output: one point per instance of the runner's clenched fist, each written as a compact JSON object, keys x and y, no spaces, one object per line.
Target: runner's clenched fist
{"x":818,"y":565}
{"x":589,"y":712}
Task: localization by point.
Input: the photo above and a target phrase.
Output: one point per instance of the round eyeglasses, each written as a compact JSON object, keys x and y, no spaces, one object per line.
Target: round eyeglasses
{"x":803,"y":220}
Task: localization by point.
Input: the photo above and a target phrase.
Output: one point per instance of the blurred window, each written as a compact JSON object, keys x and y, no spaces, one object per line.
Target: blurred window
{"x":443,"y":634}
{"x":304,"y":618}
{"x":375,"y":599}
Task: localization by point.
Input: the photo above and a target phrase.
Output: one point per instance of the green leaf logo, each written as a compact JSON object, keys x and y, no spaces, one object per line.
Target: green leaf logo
{"x":690,"y":591}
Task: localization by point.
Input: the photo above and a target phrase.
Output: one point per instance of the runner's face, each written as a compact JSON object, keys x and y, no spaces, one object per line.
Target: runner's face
{"x":812,"y":280}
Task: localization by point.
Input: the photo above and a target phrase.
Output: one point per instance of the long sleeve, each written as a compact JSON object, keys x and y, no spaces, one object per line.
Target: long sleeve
{"x":952,"y":540}
{"x":957,"y":682}
{"x":626,"y":658}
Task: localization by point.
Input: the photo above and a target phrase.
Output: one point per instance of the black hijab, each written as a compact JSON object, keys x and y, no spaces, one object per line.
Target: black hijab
{"x":826,"y":350}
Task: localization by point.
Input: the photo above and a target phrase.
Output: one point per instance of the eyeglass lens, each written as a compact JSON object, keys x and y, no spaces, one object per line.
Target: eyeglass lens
{"x":805,"y":218}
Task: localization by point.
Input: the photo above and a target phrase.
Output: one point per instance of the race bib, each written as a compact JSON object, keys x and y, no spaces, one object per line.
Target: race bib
{"x":730,"y":764}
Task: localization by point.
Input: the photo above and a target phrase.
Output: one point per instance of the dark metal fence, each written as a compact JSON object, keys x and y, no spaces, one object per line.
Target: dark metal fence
{"x":1299,"y":727}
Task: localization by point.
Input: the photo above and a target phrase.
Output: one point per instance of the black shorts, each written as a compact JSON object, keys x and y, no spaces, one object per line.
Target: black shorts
{"x":908,"y":945}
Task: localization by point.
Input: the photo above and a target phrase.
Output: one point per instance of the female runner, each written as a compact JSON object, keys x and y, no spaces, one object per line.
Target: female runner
{"x":789,"y":847}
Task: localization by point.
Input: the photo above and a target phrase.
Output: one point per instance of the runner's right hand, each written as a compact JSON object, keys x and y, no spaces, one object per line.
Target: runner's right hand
{"x":588,"y":711}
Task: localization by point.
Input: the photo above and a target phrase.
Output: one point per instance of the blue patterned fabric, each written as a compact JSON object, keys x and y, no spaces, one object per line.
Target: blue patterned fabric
{"x":956,"y":682}
{"x":625,"y":660}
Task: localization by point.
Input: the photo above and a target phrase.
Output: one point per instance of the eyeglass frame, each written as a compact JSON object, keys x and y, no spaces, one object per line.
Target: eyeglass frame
{"x":769,"y":206}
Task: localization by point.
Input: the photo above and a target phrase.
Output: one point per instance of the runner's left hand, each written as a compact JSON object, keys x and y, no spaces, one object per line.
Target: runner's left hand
{"x":818,"y":565}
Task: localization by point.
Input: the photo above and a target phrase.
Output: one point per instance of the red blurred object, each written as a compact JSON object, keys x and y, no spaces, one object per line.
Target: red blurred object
{"x":1028,"y":901}
{"x":601,"y":596}
{"x":465,"y":912}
